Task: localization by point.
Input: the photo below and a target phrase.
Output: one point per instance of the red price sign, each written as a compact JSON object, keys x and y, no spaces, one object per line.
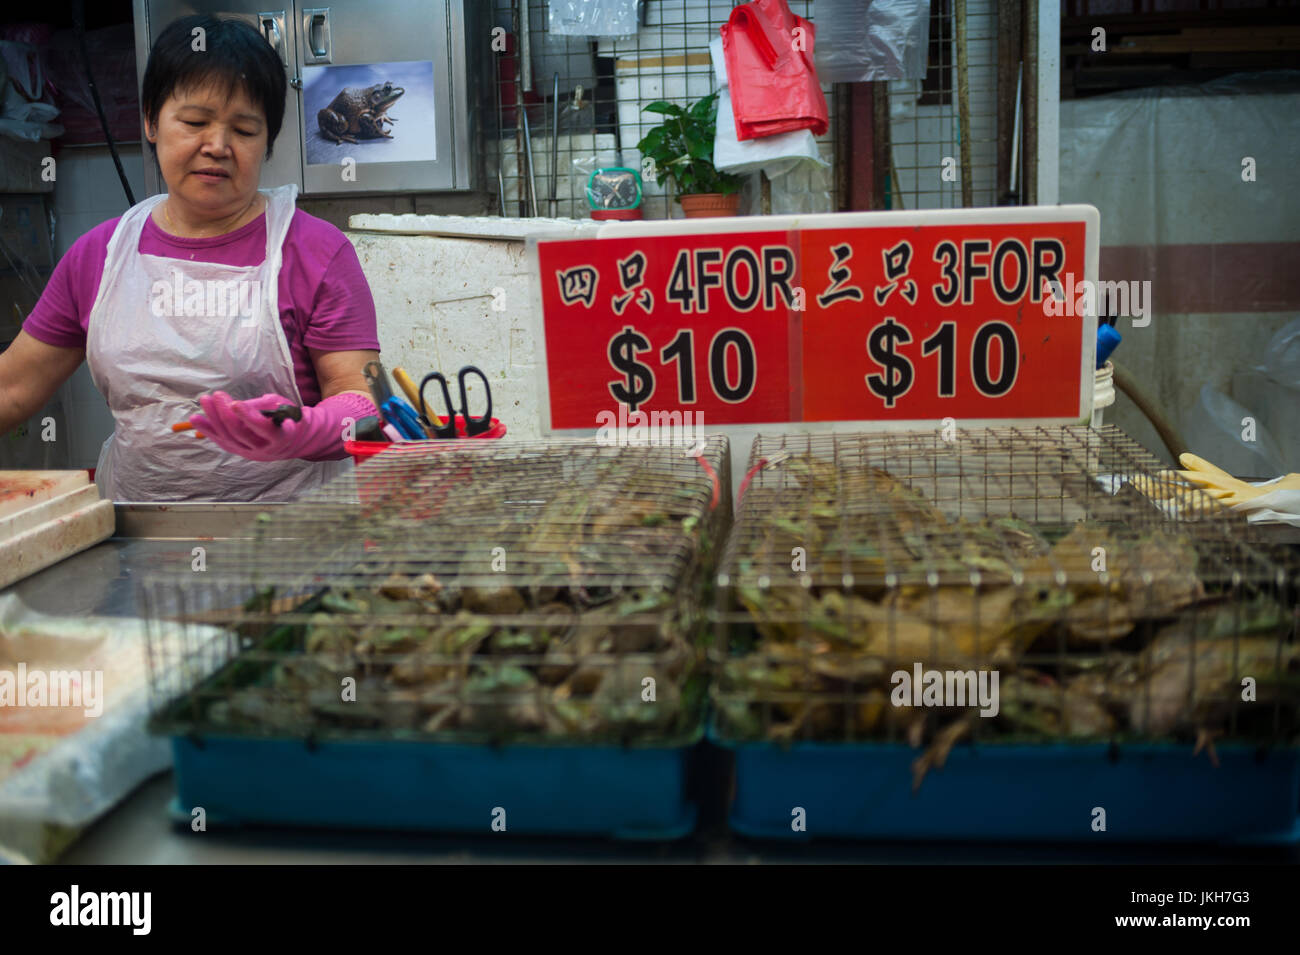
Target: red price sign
{"x":893,"y":317}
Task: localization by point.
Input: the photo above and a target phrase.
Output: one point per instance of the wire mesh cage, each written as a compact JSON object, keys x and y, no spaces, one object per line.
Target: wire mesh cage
{"x":567,"y":105}
{"x":1011,"y":583}
{"x":505,"y":591}
{"x":941,"y":132}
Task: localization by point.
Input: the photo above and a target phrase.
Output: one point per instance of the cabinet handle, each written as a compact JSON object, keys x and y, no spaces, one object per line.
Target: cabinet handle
{"x":317,"y":21}
{"x":270,"y":26}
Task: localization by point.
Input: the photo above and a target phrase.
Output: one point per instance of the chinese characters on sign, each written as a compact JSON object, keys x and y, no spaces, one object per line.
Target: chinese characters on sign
{"x":886,"y":323}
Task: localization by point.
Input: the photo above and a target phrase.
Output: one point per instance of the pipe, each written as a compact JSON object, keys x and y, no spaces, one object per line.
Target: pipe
{"x":1170,"y":435}
{"x":526,"y":50}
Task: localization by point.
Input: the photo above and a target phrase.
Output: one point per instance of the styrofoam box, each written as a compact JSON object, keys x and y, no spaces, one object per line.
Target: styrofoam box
{"x":637,"y":83}
{"x":683,"y":11}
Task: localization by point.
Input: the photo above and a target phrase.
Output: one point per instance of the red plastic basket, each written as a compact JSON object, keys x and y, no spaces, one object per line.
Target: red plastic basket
{"x":363,"y":451}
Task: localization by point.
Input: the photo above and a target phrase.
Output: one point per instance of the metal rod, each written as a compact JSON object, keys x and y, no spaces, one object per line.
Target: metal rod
{"x":555,"y":146}
{"x":1015,"y":132}
{"x":519,"y":127}
{"x":528,"y":147}
{"x":895,"y":200}
{"x":1008,"y":61}
{"x":963,"y":106}
{"x":1029,"y":134}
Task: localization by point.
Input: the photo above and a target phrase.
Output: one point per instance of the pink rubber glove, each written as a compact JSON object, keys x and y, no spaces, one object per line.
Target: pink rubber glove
{"x":240,"y":427}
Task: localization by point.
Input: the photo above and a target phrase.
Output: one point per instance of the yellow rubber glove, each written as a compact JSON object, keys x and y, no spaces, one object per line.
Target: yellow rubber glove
{"x":1225,"y":488}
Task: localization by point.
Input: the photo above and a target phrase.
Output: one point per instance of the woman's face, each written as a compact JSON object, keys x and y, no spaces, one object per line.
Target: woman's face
{"x":210,"y":149}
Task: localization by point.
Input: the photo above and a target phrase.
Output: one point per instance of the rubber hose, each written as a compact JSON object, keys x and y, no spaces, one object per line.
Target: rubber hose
{"x":1170,"y":435}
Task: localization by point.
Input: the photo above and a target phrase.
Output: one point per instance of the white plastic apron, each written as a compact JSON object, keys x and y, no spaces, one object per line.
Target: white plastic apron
{"x":151,"y":361}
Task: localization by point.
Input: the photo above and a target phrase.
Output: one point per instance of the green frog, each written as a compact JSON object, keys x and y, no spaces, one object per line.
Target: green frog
{"x":359,"y":112}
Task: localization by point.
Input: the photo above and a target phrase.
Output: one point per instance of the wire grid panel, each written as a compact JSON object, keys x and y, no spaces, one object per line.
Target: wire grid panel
{"x":1045,"y":557}
{"x":924,"y":128}
{"x":477,"y":590}
{"x":600,"y":126}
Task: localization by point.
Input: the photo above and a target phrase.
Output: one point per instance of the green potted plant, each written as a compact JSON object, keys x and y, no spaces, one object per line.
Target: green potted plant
{"x":682,"y":150}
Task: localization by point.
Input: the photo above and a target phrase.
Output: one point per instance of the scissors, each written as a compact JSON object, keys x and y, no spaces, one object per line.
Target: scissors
{"x":403,"y":417}
{"x":473,"y":426}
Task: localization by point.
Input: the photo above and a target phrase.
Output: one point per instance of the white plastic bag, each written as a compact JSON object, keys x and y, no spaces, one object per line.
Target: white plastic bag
{"x":79,"y":764}
{"x":774,"y":155}
{"x":592,"y":17}
{"x":1276,"y":507}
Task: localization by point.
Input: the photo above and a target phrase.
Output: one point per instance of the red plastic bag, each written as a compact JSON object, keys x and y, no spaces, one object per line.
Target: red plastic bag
{"x":770,"y":71}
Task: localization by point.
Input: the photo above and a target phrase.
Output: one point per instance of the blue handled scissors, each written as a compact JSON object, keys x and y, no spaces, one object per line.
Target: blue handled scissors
{"x":404,"y":418}
{"x":473,"y":426}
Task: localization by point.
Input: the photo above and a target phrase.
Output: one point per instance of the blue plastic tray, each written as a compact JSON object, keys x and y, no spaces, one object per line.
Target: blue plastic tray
{"x":1045,"y":792}
{"x":630,"y":792}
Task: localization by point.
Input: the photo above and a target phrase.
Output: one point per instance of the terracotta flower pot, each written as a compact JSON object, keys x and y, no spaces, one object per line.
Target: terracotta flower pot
{"x":710,"y":204}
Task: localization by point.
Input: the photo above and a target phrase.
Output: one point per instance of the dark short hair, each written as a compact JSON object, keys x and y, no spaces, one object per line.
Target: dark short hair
{"x":234,"y":54}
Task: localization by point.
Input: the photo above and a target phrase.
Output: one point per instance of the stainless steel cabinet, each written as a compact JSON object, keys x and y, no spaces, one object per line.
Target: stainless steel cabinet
{"x":382,"y":93}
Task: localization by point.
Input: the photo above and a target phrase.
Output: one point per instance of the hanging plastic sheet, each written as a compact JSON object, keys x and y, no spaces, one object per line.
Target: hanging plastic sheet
{"x":25,"y":112}
{"x":1271,"y":390}
{"x":592,"y":17}
{"x":774,"y":84}
{"x":1212,"y":251}
{"x":872,"y":40}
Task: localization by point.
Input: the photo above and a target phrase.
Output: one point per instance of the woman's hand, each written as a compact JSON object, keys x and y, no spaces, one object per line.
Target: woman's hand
{"x":240,"y":427}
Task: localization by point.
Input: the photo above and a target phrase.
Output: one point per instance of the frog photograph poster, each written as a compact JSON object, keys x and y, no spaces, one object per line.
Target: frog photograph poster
{"x":371,"y":112}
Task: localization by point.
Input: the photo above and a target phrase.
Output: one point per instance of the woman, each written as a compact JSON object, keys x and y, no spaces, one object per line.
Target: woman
{"x":210,"y":291}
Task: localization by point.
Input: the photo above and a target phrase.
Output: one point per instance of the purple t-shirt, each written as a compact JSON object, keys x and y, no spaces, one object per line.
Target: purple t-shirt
{"x":325,"y":302}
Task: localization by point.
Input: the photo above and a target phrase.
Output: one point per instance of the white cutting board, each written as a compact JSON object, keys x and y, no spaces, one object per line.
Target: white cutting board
{"x":19,"y":490}
{"x":46,"y":516}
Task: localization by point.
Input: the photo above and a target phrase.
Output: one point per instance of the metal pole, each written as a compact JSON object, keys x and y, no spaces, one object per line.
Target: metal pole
{"x":526,"y":49}
{"x":555,"y":146}
{"x":1015,"y":133}
{"x":963,"y":106}
{"x":528,"y":146}
{"x":519,"y":126}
